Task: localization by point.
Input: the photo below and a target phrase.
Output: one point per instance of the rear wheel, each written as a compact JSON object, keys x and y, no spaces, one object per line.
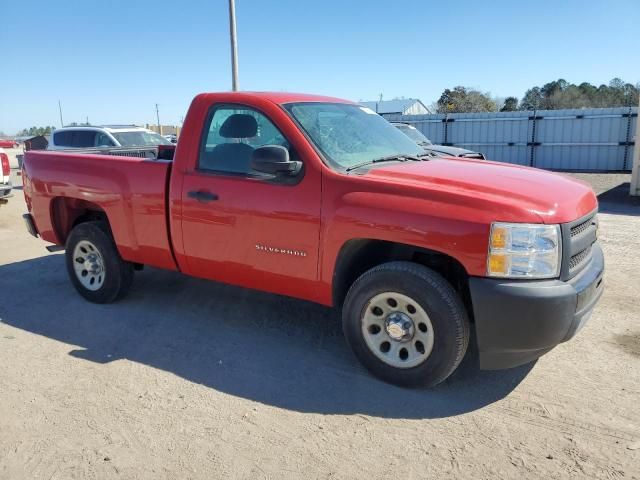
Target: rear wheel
{"x":94,"y":265}
{"x":406,"y":324}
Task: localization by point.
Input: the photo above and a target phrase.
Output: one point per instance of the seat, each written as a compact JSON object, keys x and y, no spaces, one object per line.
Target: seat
{"x":232,"y":157}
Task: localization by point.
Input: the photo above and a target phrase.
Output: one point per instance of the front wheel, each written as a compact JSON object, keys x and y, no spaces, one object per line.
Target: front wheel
{"x":94,"y":265}
{"x":406,"y":324}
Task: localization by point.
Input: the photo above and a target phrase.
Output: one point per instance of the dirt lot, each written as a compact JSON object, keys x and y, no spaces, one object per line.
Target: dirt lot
{"x":190,"y":379}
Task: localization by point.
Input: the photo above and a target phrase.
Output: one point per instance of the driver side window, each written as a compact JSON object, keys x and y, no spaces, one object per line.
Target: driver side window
{"x":231,"y":136}
{"x":103,"y":140}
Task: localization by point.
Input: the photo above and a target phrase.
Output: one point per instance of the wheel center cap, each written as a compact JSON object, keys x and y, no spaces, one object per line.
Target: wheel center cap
{"x":399,"y":326}
{"x":95,"y":267}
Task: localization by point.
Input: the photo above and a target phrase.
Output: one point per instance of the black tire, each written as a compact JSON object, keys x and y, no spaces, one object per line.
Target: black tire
{"x":439,"y":300}
{"x":118,"y":274}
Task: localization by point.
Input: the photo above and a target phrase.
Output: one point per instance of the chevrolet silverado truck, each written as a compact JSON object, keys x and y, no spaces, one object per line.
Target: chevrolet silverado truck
{"x":321,"y":199}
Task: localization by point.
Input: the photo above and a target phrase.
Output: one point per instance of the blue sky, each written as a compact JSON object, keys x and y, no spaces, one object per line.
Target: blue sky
{"x":113,"y":61}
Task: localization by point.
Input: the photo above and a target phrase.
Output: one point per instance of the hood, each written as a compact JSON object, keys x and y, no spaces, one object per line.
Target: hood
{"x":501,"y":191}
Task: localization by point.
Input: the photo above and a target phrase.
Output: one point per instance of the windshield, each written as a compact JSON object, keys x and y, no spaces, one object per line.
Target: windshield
{"x":348,"y":134}
{"x":413,"y":133}
{"x":140,"y":138}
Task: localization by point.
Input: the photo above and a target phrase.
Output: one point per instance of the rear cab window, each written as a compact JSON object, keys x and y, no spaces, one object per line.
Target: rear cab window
{"x":75,"y":138}
{"x":84,"y":139}
{"x":63,"y":139}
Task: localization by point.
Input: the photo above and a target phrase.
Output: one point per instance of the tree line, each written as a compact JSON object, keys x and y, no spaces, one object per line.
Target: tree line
{"x":35,"y":131}
{"x":554,"y":95}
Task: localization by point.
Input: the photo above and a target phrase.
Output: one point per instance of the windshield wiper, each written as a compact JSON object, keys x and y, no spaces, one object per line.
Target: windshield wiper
{"x":389,"y":158}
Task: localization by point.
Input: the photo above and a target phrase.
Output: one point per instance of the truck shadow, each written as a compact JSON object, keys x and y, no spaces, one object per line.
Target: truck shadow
{"x":617,"y":201}
{"x":274,"y":350}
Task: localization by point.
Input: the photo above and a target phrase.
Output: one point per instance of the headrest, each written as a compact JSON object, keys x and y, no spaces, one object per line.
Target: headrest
{"x":239,"y":125}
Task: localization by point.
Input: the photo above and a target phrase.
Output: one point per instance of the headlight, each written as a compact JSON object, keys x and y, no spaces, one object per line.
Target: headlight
{"x":520,"y":250}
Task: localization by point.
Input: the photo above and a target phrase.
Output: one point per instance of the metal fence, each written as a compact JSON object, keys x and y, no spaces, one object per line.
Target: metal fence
{"x":594,"y":139}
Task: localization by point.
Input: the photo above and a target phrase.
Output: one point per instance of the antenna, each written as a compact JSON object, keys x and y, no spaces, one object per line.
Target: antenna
{"x":60,"y":110}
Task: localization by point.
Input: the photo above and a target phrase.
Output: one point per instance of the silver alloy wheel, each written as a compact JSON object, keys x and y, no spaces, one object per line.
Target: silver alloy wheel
{"x":88,"y":265}
{"x":397,"y":330}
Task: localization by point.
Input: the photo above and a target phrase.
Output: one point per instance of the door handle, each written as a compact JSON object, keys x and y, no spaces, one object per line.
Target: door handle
{"x":202,"y":196}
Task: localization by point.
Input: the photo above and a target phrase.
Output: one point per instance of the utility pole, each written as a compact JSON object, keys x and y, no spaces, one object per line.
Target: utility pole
{"x":234,"y":45}
{"x":635,"y":172}
{"x":60,"y":110}
{"x":158,"y":118}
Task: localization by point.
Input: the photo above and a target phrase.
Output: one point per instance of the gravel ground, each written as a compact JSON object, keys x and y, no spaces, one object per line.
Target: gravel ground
{"x":192,"y":379}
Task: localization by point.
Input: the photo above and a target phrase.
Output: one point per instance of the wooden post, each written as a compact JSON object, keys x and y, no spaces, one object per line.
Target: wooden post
{"x":635,"y":172}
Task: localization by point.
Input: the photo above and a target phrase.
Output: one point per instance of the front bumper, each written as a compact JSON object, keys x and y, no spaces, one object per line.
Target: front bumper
{"x":518,"y":321}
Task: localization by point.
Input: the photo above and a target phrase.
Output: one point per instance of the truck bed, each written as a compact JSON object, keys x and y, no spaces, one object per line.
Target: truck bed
{"x":131,"y":191}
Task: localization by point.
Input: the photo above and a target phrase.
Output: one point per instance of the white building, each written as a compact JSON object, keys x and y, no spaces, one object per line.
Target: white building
{"x":398,"y":106}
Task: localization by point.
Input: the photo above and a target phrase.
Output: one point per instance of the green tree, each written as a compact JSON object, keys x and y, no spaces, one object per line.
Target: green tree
{"x":510,"y":104}
{"x":562,"y":94}
{"x":532,"y":99}
{"x":463,"y":99}
{"x":35,"y":131}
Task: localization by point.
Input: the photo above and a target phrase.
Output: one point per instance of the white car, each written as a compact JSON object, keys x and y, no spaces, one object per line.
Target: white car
{"x":5,"y":176}
{"x":104,"y":137}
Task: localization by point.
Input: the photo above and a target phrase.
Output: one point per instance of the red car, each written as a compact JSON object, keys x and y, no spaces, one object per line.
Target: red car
{"x":8,"y":143}
{"x":5,"y":177}
{"x":321,"y":199}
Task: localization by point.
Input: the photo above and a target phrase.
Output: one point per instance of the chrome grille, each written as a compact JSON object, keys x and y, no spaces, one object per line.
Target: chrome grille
{"x":578,"y":239}
{"x":133,"y":153}
{"x":140,"y":152}
{"x":581,"y":227}
{"x":578,"y":258}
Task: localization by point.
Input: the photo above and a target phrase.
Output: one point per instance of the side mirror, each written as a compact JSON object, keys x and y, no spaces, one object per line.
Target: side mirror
{"x":274,"y":160}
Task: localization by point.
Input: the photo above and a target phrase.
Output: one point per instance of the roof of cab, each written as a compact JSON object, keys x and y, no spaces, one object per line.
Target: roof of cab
{"x":108,"y":128}
{"x":281,"y":97}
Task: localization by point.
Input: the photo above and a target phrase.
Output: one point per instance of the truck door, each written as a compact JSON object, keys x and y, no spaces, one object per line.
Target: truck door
{"x":240,"y":227}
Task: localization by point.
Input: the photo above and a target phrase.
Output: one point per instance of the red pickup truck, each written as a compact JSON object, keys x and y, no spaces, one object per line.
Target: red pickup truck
{"x":321,"y":199}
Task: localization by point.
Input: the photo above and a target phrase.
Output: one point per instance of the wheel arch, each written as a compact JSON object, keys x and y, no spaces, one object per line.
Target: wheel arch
{"x":67,"y":212}
{"x":356,"y":256}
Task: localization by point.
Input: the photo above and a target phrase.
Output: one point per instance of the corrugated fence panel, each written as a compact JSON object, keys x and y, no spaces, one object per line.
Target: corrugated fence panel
{"x":595,"y":139}
{"x":502,"y":136}
{"x":581,"y":139}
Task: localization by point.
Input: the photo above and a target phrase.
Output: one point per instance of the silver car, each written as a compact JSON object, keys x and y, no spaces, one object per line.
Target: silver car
{"x":414,"y":134}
